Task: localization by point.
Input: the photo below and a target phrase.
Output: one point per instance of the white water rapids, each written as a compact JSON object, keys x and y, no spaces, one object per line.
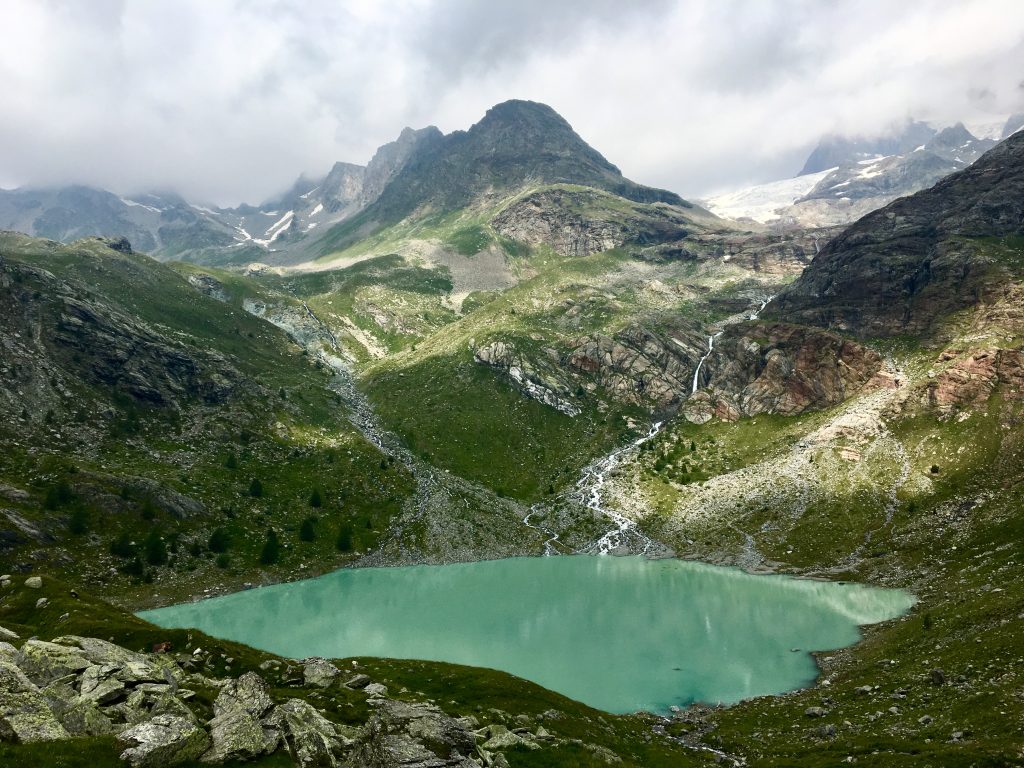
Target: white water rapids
{"x":590,"y":487}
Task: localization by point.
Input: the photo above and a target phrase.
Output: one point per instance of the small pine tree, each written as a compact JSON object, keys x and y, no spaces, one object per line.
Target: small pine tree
{"x":134,"y":567}
{"x":79,"y":522}
{"x":315,"y":499}
{"x":344,"y":542}
{"x":223,"y":561}
{"x":219,"y":540}
{"x":256,"y":488}
{"x":58,"y":495}
{"x":231,"y":462}
{"x":122,"y":546}
{"x":271,"y":549}
{"x":155,"y":548}
{"x":148,"y":510}
{"x":306,"y":531}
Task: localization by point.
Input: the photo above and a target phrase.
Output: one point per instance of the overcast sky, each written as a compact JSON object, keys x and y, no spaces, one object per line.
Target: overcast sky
{"x":229,"y":100}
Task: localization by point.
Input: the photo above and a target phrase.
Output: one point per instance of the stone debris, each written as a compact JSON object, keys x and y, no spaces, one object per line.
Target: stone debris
{"x":82,"y":686}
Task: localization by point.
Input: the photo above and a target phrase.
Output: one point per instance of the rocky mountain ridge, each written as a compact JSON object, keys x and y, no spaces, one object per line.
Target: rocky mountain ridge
{"x":516,"y":143}
{"x":911,"y":265}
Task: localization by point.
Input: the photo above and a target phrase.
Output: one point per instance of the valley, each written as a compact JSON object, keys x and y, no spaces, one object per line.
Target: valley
{"x":503,"y":349}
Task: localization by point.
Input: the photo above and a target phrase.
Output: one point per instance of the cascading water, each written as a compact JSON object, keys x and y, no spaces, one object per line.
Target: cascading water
{"x":590,"y":486}
{"x":711,"y":340}
{"x":711,"y":347}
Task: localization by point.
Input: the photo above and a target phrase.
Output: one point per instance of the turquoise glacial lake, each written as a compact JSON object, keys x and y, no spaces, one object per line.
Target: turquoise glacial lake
{"x":618,"y":633}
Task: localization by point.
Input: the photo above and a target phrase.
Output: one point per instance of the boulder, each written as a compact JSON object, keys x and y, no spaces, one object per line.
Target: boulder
{"x":375,"y":690}
{"x":413,"y":736}
{"x":169,"y":704}
{"x":319,"y":672}
{"x":236,"y":735}
{"x":358,"y":682}
{"x":100,"y":651}
{"x":312,"y":739}
{"x":247,"y":693}
{"x":34,"y":582}
{"x":8,"y":653}
{"x":24,"y":714}
{"x":499,"y":737}
{"x":84,"y":718}
{"x":45,"y":662}
{"x":164,"y":740}
{"x":7,"y":635}
{"x":99,"y":684}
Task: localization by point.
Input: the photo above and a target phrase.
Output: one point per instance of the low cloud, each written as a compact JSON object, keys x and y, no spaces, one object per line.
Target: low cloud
{"x":229,"y":101}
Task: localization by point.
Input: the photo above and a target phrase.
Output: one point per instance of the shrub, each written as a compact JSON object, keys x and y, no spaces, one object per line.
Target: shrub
{"x":223,"y":561}
{"x":231,"y":462}
{"x":256,"y":488}
{"x":134,"y":567}
{"x":315,"y":499}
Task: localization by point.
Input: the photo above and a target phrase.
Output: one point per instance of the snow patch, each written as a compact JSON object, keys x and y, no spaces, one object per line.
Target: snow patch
{"x":275,"y":231}
{"x":135,"y":204}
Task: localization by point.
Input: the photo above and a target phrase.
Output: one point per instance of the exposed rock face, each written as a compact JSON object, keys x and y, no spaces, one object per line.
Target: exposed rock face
{"x":541,"y":381}
{"x":971,"y":379}
{"x":906,"y":267}
{"x":782,"y":369}
{"x":575,"y":222}
{"x":637,"y":366}
{"x":56,"y":334}
{"x":128,"y":356}
{"x":517,"y":143}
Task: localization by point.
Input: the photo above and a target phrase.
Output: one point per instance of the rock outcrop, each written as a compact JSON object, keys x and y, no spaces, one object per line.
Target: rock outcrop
{"x":779,"y":369}
{"x":580,"y":222}
{"x":536,"y":378}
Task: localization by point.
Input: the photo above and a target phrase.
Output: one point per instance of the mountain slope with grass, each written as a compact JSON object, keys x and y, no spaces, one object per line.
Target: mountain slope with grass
{"x":155,"y":435}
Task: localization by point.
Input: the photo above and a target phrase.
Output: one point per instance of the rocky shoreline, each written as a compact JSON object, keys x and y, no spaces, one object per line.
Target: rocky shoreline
{"x":164,"y":710}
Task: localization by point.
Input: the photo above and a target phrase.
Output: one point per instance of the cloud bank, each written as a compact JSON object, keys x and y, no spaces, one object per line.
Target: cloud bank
{"x":230,"y":101}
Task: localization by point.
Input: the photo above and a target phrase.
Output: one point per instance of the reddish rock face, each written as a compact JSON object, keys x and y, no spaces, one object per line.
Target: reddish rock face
{"x":783,"y":369}
{"x":972,"y":379}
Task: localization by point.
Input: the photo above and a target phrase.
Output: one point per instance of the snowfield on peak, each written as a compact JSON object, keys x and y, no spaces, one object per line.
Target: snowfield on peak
{"x":763,"y":201}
